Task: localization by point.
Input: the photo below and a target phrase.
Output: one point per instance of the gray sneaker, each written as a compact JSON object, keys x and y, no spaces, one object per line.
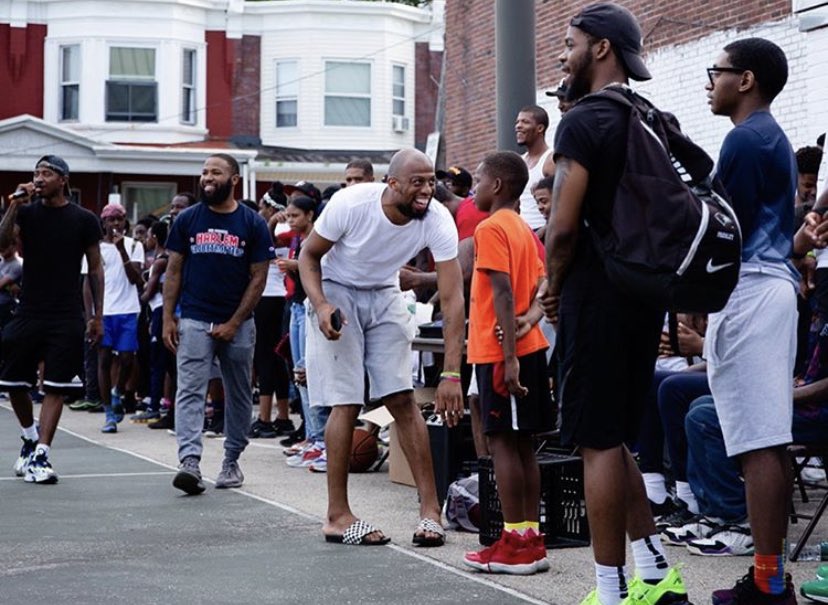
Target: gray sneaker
{"x":230,"y":475}
{"x":188,"y":477}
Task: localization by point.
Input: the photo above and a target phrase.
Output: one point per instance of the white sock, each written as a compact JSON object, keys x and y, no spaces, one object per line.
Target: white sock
{"x":650,"y":559}
{"x":685,"y":494}
{"x":611,"y":584}
{"x":654,"y":484}
{"x":41,"y":448}
{"x":30,"y":433}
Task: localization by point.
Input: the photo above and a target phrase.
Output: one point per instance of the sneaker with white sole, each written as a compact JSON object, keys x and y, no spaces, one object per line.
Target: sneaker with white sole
{"x":39,"y":470}
{"x":731,"y":540}
{"x":320,"y":465}
{"x":697,"y":528}
{"x":25,"y":457}
{"x":306,"y":457}
{"x":188,"y":477}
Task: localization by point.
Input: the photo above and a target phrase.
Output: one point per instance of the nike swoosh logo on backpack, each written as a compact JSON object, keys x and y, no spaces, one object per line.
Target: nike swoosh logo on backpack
{"x":711,"y":268}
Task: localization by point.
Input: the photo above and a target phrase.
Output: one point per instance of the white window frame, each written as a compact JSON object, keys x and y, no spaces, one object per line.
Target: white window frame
{"x":133,"y":80}
{"x":168,"y":188}
{"x":365,"y":96}
{"x":68,"y":83}
{"x":285,"y":97}
{"x":394,"y":97}
{"x":188,"y":89}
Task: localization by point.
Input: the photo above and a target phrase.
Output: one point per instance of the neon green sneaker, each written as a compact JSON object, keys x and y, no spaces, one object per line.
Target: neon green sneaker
{"x":822,"y":572}
{"x":816,"y":590}
{"x":670,"y":591}
{"x":592,"y":599}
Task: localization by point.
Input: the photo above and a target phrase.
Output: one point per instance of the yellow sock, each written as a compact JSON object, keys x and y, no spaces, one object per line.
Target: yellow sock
{"x":514,"y":527}
{"x":534,"y":525}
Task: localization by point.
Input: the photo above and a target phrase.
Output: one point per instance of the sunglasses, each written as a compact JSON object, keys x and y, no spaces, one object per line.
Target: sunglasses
{"x":712,"y":72}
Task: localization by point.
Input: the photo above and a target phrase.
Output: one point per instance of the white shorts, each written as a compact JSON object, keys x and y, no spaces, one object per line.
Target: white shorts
{"x":750,"y":349}
{"x":377,"y":340}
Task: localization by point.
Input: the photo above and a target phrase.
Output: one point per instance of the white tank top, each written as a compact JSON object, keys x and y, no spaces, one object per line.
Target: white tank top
{"x":528,"y":206}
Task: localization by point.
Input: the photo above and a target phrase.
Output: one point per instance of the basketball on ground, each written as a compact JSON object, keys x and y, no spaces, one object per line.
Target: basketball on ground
{"x":364,"y":451}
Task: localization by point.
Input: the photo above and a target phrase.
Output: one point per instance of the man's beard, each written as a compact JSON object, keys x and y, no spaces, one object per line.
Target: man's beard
{"x":219,"y":195}
{"x":409,"y":211}
{"x":579,"y":81}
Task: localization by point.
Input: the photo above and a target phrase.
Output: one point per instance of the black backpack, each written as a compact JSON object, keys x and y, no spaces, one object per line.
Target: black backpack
{"x":674,"y":241}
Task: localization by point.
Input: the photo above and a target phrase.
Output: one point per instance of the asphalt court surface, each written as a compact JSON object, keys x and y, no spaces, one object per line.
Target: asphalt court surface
{"x":113,"y":529}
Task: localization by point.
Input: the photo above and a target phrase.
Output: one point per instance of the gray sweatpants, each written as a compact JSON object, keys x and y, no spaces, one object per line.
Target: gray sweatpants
{"x":196,"y":351}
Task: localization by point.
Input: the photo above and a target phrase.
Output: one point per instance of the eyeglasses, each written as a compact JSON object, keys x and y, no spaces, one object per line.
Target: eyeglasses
{"x":717,"y":70}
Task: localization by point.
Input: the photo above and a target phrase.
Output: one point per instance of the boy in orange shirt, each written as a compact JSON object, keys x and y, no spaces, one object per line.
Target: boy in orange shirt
{"x":512,"y":374}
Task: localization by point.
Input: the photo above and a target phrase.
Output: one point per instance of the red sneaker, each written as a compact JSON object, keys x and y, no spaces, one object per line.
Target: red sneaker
{"x":514,"y":554}
{"x":480,"y":560}
{"x":538,"y":546}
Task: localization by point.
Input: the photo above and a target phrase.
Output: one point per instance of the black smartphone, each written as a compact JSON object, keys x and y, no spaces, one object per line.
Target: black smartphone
{"x":336,"y":320}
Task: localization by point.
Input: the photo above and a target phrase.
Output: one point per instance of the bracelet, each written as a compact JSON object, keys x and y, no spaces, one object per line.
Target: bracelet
{"x":450,"y":374}
{"x":455,"y":379}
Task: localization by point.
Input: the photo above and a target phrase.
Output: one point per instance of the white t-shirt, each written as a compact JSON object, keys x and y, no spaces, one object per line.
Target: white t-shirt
{"x":120,"y":296}
{"x":369,"y":249}
{"x":275,"y":284}
{"x":528,"y":206}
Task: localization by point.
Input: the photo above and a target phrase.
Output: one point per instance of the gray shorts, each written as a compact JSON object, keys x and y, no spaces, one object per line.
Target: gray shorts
{"x":750,"y":349}
{"x":377,"y":340}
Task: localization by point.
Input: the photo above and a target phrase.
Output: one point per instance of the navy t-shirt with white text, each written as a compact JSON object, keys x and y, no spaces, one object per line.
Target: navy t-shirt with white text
{"x":218,"y":251}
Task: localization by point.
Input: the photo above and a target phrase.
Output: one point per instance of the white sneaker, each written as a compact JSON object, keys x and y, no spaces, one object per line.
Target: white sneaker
{"x":306,"y":456}
{"x":698,"y":527}
{"x":730,"y":540}
{"x":320,"y":465}
{"x":40,"y":470}
{"x":22,"y":462}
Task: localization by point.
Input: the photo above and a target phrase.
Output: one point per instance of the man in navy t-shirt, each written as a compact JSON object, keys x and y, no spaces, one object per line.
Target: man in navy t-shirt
{"x":751,"y":343}
{"x":219,"y":253}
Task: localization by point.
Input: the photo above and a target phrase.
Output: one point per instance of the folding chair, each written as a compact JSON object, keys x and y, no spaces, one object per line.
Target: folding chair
{"x":806,"y":452}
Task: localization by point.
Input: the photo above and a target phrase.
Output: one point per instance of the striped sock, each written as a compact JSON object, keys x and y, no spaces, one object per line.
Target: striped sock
{"x":611,"y":584}
{"x":769,"y":573}
{"x":650,"y":559}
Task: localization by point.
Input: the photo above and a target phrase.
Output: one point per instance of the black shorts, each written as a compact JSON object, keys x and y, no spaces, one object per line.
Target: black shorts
{"x":607,"y":347}
{"x":57,"y":342}
{"x":531,"y":414}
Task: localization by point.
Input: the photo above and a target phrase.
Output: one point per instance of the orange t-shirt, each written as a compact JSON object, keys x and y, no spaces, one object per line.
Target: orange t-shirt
{"x":502,"y":243}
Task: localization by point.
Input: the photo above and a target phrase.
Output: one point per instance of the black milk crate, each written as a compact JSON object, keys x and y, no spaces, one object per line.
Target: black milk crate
{"x":563,"y":517}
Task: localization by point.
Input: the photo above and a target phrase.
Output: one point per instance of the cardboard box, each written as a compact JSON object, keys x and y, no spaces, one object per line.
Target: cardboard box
{"x":398,"y":469}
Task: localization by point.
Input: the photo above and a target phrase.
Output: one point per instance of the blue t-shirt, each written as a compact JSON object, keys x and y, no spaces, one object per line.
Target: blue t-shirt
{"x":758,"y":168}
{"x":218,"y":250}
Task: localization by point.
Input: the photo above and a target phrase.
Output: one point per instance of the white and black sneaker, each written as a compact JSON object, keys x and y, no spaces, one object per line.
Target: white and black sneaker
{"x":730,"y":540}
{"x":22,"y":462}
{"x":39,"y":470}
{"x":696,"y":528}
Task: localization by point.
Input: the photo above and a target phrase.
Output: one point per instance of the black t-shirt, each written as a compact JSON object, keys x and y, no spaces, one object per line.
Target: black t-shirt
{"x":54,"y":240}
{"x":594,"y":134}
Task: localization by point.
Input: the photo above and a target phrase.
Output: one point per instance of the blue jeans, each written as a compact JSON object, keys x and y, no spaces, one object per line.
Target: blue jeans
{"x":675,"y":395}
{"x":196,"y":351}
{"x":316,"y":417}
{"x":714,"y":478}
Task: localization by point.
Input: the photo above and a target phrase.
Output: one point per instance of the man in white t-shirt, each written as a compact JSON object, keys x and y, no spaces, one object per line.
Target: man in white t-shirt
{"x":123,"y":258}
{"x":349,"y":268}
{"x":530,"y":132}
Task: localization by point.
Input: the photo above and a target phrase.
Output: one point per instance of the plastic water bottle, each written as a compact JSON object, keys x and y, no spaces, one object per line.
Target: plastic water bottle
{"x":813,"y":552}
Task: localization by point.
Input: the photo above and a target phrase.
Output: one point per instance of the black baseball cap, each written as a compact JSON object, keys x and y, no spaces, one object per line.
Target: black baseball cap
{"x":306,"y":188}
{"x":54,"y":163}
{"x":456,"y":174}
{"x":620,"y":27}
{"x":560,"y":91}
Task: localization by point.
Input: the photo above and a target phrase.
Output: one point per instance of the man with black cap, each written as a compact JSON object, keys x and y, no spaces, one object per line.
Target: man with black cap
{"x":561,"y":93}
{"x":457,"y":179}
{"x":608,"y":342}
{"x":48,"y":326}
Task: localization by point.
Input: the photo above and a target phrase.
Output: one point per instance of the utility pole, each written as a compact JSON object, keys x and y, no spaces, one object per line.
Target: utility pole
{"x":515,"y":60}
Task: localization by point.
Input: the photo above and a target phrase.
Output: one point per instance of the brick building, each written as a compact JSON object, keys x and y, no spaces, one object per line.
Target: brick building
{"x":680,"y":40}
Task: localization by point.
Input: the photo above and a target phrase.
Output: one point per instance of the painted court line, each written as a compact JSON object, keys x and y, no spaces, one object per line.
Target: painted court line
{"x":289,"y":509}
{"x":100,"y":475}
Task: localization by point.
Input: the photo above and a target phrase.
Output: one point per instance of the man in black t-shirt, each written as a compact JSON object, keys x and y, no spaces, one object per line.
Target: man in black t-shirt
{"x":48,"y":326}
{"x":607,"y":342}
